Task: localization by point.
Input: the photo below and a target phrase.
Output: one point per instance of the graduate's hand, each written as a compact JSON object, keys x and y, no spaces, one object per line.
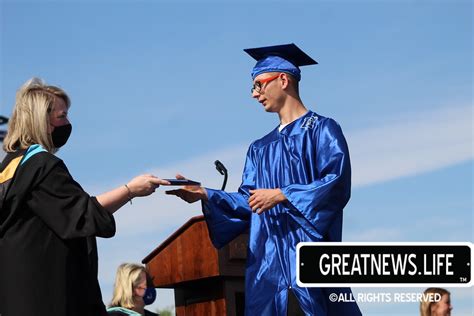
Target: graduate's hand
{"x":262,"y":200}
{"x":145,"y":185}
{"x":189,"y":193}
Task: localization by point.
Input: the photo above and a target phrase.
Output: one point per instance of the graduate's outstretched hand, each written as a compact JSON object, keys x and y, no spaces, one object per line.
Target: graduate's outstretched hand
{"x":262,"y":200}
{"x":145,"y":185}
{"x":189,"y":193}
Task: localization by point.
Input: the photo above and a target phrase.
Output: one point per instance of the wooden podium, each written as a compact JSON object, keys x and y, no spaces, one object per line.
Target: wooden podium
{"x":206,"y":281}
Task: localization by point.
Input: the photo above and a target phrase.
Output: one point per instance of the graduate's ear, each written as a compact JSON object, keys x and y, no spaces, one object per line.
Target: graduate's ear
{"x":289,"y":83}
{"x":284,"y":80}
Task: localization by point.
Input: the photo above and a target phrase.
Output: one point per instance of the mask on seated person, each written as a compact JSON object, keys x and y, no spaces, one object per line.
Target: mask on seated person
{"x":150,"y":295}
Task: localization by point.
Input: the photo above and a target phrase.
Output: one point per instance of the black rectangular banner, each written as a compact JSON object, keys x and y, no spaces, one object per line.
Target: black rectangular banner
{"x":364,"y":264}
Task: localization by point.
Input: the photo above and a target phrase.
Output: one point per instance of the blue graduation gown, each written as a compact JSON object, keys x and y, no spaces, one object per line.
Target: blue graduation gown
{"x":309,"y":161}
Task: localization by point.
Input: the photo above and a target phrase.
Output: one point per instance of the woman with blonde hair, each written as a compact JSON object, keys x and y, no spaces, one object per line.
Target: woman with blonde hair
{"x":48,"y":223}
{"x":431,"y":306}
{"x":130,"y":290}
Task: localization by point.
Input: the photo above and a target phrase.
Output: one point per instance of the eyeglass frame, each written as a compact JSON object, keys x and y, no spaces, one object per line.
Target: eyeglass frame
{"x":258,"y":88}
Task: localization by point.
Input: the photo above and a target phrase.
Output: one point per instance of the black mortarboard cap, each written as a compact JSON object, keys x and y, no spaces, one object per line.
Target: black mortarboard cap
{"x":279,"y":58}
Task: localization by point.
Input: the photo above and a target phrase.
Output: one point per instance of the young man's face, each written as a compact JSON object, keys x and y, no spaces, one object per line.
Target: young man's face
{"x":267,"y":90}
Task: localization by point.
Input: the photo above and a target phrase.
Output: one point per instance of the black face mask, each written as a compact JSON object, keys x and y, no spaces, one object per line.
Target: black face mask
{"x":61,"y":134}
{"x":150,"y":296}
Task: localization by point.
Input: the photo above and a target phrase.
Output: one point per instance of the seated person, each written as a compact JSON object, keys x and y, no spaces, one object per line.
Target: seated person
{"x":131,"y":292}
{"x":442,"y":307}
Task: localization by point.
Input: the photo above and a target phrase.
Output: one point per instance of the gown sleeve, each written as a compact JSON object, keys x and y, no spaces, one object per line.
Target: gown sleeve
{"x":322,"y":200}
{"x":228,"y":214}
{"x":67,"y":209}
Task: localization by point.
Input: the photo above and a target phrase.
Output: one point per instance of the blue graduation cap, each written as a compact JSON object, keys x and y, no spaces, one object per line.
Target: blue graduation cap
{"x":281,"y":58}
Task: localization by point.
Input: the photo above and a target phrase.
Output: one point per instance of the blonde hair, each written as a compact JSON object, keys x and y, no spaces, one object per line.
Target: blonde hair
{"x":30,"y":119}
{"x":425,"y":305}
{"x":126,"y":280}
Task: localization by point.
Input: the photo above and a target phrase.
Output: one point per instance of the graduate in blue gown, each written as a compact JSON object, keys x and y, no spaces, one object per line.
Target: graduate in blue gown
{"x":295,"y":184}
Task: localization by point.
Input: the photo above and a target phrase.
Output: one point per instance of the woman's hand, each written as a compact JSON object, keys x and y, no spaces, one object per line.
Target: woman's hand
{"x":144,"y":185}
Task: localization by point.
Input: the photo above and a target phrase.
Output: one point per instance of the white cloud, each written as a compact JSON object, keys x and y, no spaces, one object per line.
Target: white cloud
{"x":375,"y":234}
{"x":411,"y":145}
{"x":160,"y":212}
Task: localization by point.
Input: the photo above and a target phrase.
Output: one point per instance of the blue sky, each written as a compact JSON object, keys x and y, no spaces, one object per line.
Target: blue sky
{"x":164,"y":86}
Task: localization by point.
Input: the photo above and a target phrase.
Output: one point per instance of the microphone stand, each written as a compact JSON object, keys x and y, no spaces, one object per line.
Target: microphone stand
{"x":222,"y":170}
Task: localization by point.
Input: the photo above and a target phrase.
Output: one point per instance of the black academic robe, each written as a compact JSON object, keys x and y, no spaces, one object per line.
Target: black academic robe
{"x":48,"y":252}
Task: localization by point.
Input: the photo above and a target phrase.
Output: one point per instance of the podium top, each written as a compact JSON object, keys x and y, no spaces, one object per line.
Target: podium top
{"x":178,"y":232}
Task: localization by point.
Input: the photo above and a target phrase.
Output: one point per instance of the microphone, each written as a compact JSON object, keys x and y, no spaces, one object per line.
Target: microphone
{"x":222,"y":170}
